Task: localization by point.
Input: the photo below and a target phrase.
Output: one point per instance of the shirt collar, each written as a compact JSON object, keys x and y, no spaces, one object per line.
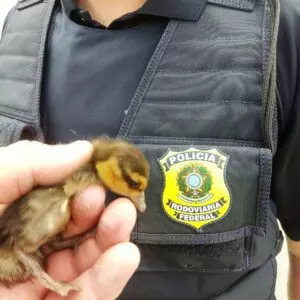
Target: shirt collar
{"x":174,"y":9}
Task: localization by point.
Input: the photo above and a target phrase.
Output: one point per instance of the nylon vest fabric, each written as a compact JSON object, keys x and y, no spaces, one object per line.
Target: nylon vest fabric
{"x":204,"y":115}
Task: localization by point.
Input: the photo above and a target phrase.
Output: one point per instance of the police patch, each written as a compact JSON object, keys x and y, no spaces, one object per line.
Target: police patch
{"x":195,"y":192}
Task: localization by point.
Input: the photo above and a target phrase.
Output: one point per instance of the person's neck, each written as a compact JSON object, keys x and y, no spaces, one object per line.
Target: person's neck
{"x":106,"y":11}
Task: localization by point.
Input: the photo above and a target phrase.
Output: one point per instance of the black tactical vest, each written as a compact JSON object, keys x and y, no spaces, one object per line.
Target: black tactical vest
{"x":205,"y":116}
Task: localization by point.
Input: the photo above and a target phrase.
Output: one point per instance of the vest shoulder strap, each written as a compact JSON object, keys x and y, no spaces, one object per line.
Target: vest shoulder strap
{"x":270,"y":92}
{"x":22,"y":49}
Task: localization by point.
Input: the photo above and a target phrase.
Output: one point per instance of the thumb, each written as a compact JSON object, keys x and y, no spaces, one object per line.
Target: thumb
{"x":26,"y":164}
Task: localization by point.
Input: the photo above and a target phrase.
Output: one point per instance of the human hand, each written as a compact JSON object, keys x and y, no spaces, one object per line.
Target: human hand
{"x":101,"y":267}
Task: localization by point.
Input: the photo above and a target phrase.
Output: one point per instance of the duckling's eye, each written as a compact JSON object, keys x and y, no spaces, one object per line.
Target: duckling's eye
{"x":133,"y":184}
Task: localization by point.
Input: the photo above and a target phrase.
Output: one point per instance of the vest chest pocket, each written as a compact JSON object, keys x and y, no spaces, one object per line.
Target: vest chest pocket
{"x":206,"y":200}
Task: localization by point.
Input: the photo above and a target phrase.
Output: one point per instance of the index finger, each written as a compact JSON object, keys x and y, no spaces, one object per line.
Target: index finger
{"x":26,"y":164}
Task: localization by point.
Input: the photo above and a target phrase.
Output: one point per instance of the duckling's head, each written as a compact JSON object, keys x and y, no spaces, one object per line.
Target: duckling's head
{"x":122,"y":168}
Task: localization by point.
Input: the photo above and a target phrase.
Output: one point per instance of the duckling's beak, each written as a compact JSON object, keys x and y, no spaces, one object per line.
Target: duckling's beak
{"x":139,"y":202}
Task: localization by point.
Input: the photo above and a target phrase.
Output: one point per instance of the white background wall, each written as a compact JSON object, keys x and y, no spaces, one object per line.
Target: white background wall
{"x":5,"y":5}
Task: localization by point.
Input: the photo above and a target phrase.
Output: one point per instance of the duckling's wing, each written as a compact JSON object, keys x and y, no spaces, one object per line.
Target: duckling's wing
{"x":35,"y":218}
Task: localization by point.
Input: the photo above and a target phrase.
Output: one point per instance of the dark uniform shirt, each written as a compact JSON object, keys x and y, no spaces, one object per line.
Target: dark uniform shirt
{"x":92,"y":73}
{"x":286,"y":187}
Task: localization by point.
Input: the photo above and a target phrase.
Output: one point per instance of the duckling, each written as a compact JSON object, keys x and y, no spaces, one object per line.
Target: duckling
{"x":38,"y":218}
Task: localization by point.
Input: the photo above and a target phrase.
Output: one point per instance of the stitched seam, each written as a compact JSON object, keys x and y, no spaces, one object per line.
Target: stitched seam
{"x":23,"y":81}
{"x":16,"y":114}
{"x":218,"y":40}
{"x":10,"y":132}
{"x":261,"y":189}
{"x":8,"y":21}
{"x":179,"y":102}
{"x":23,"y":31}
{"x":31,"y":113}
{"x":25,"y":4}
{"x":147,"y":79}
{"x":42,"y":45}
{"x":266,"y":33}
{"x":274,"y":279}
{"x":156,"y":60}
{"x":246,"y":257}
{"x":238,"y":269}
{"x":229,"y":71}
{"x":166,"y":141}
{"x":208,"y":238}
{"x":234,"y":4}
{"x":16,"y":55}
{"x":250,"y":257}
{"x":264,"y":189}
{"x":201,"y":7}
{"x":204,"y":142}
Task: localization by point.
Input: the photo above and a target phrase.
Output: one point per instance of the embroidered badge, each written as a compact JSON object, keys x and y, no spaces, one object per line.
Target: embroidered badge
{"x":195,"y":192}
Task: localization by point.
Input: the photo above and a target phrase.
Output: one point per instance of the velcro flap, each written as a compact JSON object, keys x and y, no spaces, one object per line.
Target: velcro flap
{"x":206,"y":202}
{"x":203,"y":193}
